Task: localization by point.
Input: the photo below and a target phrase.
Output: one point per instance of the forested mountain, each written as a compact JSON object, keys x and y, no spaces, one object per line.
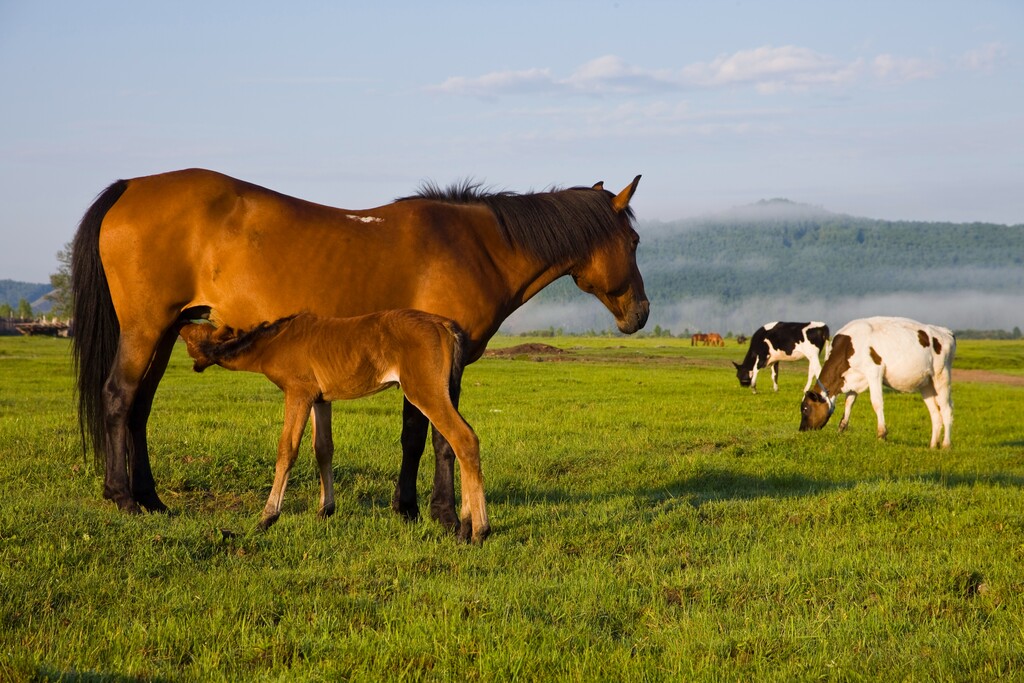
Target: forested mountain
{"x":11,"y":291}
{"x":804,"y":261}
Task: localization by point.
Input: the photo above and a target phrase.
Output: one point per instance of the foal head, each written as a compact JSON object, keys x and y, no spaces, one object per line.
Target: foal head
{"x":226,"y":346}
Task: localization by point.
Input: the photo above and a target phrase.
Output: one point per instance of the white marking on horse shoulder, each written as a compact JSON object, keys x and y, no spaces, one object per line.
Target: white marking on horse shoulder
{"x":365,"y":219}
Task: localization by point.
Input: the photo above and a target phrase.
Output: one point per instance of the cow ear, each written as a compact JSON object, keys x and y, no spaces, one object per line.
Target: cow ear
{"x":736,"y":365}
{"x":811,"y":396}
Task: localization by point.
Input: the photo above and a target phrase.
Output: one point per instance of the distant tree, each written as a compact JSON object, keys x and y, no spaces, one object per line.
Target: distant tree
{"x":61,"y":297}
{"x":6,"y":311}
{"x":24,"y":308}
{"x":1016,"y":333}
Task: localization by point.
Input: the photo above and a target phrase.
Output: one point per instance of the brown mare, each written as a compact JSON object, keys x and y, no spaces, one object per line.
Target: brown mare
{"x":698,"y":339}
{"x":713,"y":339}
{"x":154,"y":248}
{"x":313,"y":360}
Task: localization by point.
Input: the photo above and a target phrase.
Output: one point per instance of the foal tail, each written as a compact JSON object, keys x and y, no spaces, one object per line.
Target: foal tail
{"x":458,"y":360}
{"x":96,"y":330}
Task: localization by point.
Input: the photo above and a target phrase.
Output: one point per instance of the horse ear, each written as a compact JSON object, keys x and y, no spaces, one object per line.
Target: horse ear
{"x":621,"y":200}
{"x":599,"y":185}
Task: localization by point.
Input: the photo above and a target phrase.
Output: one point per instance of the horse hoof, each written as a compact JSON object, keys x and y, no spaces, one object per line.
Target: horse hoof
{"x":465,"y":533}
{"x":152,"y":503}
{"x":445,"y":517}
{"x":325,"y":512}
{"x":479,"y":536}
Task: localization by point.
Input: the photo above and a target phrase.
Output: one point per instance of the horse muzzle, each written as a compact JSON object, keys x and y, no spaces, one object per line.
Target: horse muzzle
{"x":635,"y":318}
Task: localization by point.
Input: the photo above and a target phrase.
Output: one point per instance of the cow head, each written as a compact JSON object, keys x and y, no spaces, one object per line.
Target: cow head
{"x":742,"y":374}
{"x":816,"y":409}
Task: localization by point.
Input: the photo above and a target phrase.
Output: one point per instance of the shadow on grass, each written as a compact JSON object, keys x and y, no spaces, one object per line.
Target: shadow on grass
{"x":724,"y":485}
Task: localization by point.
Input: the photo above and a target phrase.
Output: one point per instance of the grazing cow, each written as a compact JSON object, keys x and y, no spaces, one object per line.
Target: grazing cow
{"x":774,"y":342}
{"x":900,"y":353}
{"x":714,"y":339}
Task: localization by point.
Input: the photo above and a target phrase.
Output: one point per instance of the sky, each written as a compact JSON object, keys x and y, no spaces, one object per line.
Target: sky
{"x":894,"y":109}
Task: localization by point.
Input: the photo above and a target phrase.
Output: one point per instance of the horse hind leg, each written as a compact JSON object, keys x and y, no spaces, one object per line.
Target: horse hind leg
{"x":143,"y":486}
{"x":131,"y":362}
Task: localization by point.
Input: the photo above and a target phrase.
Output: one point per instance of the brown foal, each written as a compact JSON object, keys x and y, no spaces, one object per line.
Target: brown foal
{"x":316,"y":360}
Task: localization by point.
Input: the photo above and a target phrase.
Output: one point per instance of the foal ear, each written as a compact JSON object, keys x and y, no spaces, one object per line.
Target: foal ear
{"x":599,"y":185}
{"x":621,"y":200}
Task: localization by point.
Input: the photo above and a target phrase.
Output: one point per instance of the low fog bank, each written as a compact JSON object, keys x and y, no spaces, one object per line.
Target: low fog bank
{"x":958,"y":310}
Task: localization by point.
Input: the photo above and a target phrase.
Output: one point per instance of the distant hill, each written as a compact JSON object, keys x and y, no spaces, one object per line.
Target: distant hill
{"x":778,"y":259}
{"x":12,"y":292}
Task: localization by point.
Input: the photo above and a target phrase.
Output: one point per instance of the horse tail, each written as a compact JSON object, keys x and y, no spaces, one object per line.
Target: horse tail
{"x":96,"y":330}
{"x":458,"y":360}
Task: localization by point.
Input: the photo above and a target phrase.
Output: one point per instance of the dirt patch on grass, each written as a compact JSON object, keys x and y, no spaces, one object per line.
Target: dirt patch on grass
{"x":537,"y":352}
{"x":987,"y":376}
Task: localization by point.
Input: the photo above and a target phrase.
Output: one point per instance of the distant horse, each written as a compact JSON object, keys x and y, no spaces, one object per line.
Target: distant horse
{"x":714,"y":339}
{"x":698,"y":339}
{"x":315,"y":360}
{"x":154,"y":248}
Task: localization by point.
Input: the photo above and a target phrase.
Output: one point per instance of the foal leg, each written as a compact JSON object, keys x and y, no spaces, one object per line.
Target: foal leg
{"x":296,"y":414}
{"x":414,"y":438}
{"x":323,"y":448}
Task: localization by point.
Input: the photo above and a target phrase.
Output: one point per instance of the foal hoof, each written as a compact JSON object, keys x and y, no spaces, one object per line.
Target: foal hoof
{"x":267,"y":520}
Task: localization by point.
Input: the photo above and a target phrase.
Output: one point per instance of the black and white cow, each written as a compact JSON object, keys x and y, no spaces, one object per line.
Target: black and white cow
{"x":900,"y":353}
{"x":774,"y":342}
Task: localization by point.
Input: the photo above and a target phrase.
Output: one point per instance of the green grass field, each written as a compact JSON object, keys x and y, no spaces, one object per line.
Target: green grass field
{"x":651,"y":521}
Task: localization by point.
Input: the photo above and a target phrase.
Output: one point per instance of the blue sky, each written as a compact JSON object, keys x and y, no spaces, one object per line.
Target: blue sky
{"x":898,"y":110}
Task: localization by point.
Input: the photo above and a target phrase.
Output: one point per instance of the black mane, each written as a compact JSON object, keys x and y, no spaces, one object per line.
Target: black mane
{"x":554,"y":225}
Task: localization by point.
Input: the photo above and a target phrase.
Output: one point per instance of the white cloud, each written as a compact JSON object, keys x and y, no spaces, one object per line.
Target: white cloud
{"x":903,"y":69}
{"x":985,"y":58}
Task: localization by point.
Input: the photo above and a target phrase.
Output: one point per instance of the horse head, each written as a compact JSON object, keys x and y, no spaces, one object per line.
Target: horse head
{"x":610,"y":273}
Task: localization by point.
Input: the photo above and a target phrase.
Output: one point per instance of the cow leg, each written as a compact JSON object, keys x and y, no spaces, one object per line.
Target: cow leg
{"x":813,"y":371}
{"x":323,"y":448}
{"x":945,"y":403}
{"x":296,"y":413}
{"x":875,"y":392}
{"x":753,"y":378}
{"x":850,"y":398}
{"x":414,"y":439}
{"x":775,"y":377}
{"x":139,"y":471}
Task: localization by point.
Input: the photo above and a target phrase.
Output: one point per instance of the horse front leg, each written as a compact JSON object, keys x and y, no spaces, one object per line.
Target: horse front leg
{"x":296,"y":414}
{"x":414,"y":439}
{"x":442,"y":497}
{"x":323,"y":448}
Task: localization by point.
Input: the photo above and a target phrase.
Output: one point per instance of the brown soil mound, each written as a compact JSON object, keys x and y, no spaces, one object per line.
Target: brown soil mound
{"x":533,"y":351}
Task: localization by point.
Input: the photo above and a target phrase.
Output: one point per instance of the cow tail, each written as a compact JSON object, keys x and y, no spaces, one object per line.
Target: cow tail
{"x":96,"y":330}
